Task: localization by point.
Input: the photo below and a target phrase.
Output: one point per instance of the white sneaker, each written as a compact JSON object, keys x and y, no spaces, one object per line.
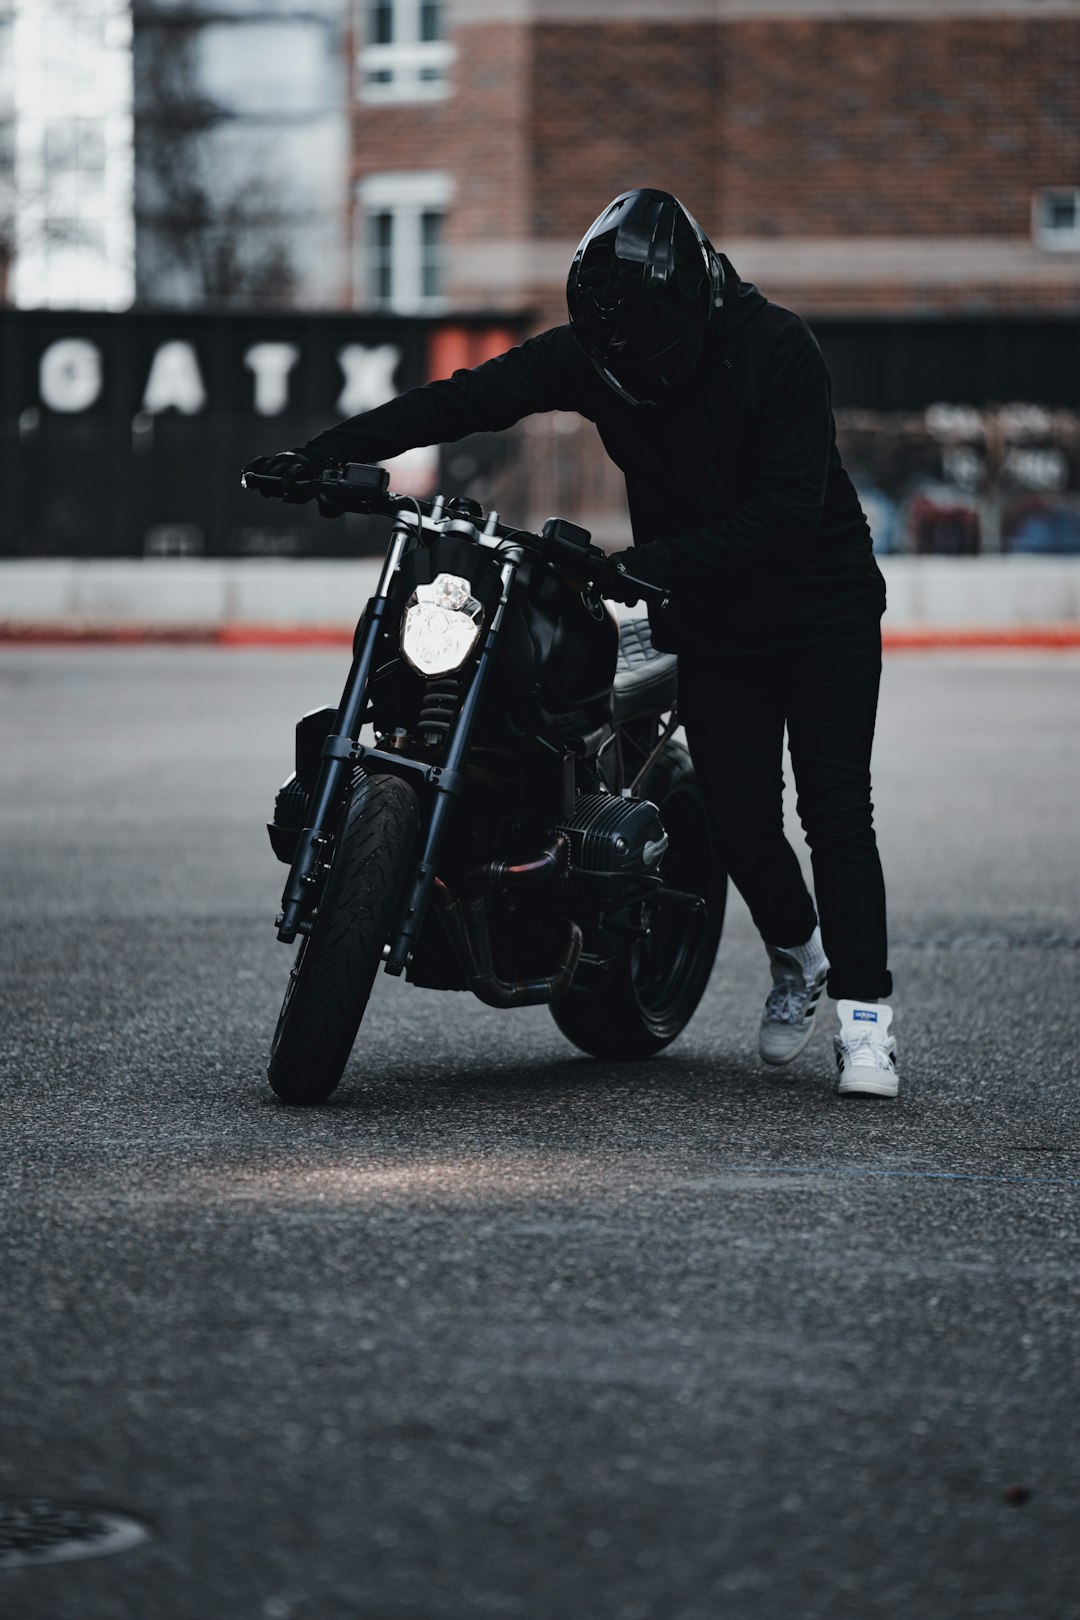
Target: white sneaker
{"x":865,"y":1051}
{"x":799,"y":973}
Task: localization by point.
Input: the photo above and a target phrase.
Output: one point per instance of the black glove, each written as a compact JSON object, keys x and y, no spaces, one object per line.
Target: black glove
{"x":300,"y":466}
{"x":610,"y":582}
{"x":628,"y":576}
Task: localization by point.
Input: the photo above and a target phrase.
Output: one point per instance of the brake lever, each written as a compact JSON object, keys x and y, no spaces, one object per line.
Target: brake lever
{"x":649,"y":592}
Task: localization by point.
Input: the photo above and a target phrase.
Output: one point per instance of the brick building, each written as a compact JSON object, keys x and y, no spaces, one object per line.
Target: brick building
{"x":894,"y":162}
{"x":901,"y":156}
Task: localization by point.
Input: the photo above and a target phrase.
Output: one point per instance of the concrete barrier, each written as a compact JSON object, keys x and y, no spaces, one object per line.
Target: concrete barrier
{"x":183,"y":593}
{"x":981,"y":592}
{"x":935,"y":598}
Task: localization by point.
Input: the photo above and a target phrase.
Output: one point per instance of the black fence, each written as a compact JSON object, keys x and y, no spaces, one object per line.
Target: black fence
{"x":123,"y":434}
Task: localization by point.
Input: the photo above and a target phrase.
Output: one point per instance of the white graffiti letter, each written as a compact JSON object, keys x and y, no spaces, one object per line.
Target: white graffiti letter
{"x":369,"y":377}
{"x":271,"y":363}
{"x":70,"y":375}
{"x":175,"y":382}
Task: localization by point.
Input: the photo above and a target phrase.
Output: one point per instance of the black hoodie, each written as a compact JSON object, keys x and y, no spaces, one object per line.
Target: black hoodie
{"x":738,"y":500}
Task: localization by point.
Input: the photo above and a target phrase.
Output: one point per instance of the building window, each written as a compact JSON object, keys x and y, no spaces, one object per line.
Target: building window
{"x":400,"y":263}
{"x":404,"y":56}
{"x":431,"y":227}
{"x":1056,"y":219}
{"x":380,"y":233}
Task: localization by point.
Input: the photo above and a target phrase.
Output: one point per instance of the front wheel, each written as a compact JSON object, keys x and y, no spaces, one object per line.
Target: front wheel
{"x":650,"y":996}
{"x":335,"y":966}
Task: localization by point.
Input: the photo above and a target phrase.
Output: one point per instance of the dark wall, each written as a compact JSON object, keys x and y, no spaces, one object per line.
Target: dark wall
{"x":124,"y":435}
{"x":904,"y":365}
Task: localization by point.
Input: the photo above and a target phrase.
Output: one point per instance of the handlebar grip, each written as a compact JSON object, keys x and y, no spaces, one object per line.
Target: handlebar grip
{"x":263,"y":483}
{"x":354,"y":487}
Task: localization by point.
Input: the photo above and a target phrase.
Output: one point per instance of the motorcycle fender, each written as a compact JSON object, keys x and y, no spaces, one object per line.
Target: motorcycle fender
{"x":312,"y":730}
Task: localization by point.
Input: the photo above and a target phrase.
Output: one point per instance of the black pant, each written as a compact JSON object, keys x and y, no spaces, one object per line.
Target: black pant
{"x":734,"y":711}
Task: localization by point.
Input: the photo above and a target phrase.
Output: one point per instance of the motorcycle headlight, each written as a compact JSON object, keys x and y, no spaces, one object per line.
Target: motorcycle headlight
{"x":441,"y":625}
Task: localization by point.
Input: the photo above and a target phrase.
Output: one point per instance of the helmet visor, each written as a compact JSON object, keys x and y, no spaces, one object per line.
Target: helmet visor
{"x":642,"y":381}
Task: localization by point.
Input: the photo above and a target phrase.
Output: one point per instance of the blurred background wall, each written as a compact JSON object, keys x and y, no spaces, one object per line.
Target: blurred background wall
{"x":215,"y":213}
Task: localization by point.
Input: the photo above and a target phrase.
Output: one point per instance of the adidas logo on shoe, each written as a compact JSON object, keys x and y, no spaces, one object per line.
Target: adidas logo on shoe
{"x":865,"y":1051}
{"x":799,"y":975}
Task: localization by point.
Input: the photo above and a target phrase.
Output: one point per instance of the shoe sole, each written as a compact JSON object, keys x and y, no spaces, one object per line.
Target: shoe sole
{"x":875,"y":1084}
{"x":789,"y":1057}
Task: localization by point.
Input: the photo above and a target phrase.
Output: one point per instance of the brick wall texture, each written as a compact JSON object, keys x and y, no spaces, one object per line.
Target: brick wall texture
{"x":879,"y":128}
{"x":775,"y":129}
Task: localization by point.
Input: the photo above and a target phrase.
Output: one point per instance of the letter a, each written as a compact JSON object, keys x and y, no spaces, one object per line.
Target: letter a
{"x":175,"y":382}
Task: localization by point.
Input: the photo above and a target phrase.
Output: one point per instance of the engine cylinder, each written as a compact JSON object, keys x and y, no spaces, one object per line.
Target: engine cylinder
{"x":611,"y":834}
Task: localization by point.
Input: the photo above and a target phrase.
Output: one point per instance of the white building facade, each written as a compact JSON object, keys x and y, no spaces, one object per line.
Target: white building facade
{"x":67,"y":90}
{"x":173,"y":153}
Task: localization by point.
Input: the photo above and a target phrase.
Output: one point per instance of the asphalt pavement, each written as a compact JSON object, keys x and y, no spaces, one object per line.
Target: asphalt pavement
{"x":503,"y":1331}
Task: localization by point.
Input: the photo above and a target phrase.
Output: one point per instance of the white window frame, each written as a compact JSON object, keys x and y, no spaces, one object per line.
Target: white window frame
{"x":406,"y":197}
{"x":406,"y":60}
{"x":1054,"y":238}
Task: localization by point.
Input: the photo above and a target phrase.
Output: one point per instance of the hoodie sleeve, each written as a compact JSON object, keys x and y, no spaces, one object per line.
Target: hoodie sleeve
{"x":547,"y":373}
{"x":791,"y":446}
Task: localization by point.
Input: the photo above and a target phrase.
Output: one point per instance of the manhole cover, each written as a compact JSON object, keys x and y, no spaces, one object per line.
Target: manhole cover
{"x":36,"y":1531}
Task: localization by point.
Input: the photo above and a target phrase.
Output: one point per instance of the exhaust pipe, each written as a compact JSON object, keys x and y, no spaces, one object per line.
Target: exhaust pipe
{"x":466,"y":924}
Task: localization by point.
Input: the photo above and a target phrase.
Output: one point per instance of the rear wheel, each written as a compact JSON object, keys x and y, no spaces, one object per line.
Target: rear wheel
{"x":336,"y":964}
{"x":650,"y":996}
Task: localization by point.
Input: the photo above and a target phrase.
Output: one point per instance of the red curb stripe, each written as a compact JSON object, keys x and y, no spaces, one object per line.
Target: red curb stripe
{"x":105,"y":635}
{"x":1051,"y":638}
{"x":272,"y":635}
{"x":228,"y":635}
{"x":1048,"y":638}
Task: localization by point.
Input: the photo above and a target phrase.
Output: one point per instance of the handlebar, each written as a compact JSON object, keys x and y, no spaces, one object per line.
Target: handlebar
{"x":366,"y":490}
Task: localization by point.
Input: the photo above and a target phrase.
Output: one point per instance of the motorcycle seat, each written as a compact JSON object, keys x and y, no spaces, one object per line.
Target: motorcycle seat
{"x":646,"y":681}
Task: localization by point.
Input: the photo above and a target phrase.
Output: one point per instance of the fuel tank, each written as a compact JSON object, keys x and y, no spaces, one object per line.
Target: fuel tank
{"x":556,"y":657}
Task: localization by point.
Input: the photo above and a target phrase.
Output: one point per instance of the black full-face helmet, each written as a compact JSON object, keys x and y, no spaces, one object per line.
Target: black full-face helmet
{"x":643,"y":287}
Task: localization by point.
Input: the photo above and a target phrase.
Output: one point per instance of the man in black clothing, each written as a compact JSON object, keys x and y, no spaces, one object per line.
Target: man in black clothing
{"x":716,"y":405}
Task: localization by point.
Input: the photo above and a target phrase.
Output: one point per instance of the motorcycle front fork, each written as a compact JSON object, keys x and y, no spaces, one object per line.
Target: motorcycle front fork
{"x":313,"y":845}
{"x":342,"y":750}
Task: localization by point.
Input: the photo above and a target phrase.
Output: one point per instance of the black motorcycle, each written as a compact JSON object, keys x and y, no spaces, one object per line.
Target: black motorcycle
{"x":525,"y":826}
